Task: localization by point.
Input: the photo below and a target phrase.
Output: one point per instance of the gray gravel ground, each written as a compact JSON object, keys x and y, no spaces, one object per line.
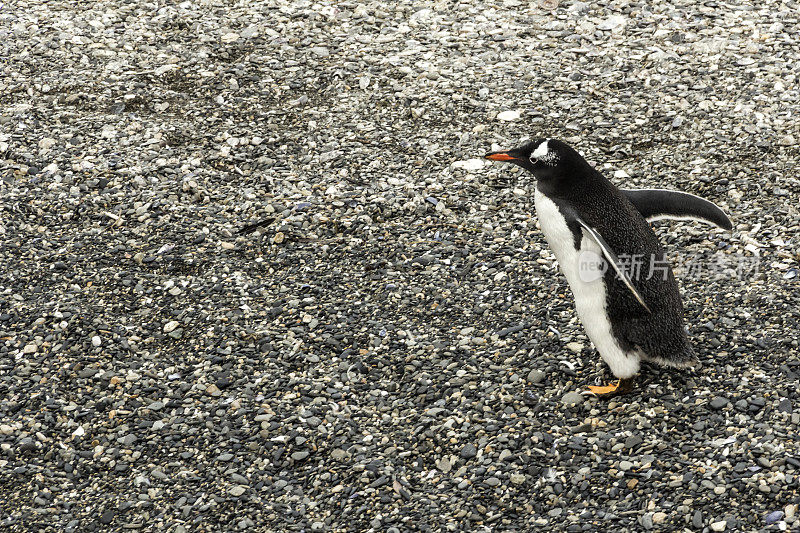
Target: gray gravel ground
{"x":395,"y":351}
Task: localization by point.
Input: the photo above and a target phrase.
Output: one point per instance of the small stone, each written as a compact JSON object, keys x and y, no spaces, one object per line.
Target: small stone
{"x":614,"y":23}
{"x":785,"y":406}
{"x":96,"y":341}
{"x":529,"y":398}
{"x":237,"y":490}
{"x":320,"y":51}
{"x":171,"y":326}
{"x":213,"y":390}
{"x":47,"y":143}
{"x":625,"y":465}
{"x":492,"y":481}
{"x":299,"y":456}
{"x":468,"y":451}
{"x":30,"y":348}
{"x":278,"y":238}
{"x":697,"y":519}
{"x":659,"y":517}
{"x":250,"y":32}
{"x":773,"y":517}
{"x":163,"y":69}
{"x":572,"y":398}
{"x":517,"y":479}
{"x":575,"y":347}
{"x":444,"y":465}
{"x":719,"y":526}
{"x":718,"y":402}
{"x":508,"y":116}
{"x":338,"y":454}
{"x":107,"y":517}
{"x":633,"y":441}
{"x":469,"y":164}
{"x":536,"y":376}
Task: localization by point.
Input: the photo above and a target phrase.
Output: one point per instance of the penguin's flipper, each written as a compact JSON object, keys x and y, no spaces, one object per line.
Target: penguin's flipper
{"x":657,"y":204}
{"x":612,"y":258}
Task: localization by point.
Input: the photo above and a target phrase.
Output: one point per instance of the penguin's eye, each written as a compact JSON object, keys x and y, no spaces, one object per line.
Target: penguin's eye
{"x":534,"y":160}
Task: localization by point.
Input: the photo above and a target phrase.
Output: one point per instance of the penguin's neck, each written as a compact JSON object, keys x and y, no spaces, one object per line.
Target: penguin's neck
{"x":574,"y":186}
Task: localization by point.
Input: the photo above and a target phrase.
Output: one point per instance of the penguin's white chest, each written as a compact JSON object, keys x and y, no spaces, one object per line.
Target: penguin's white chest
{"x":589,"y":290}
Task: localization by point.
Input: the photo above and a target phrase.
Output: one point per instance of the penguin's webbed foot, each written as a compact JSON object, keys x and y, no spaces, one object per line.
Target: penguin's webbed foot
{"x":615,"y":388}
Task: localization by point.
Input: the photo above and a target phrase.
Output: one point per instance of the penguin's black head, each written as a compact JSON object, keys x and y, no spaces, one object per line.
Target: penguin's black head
{"x":546,"y":159}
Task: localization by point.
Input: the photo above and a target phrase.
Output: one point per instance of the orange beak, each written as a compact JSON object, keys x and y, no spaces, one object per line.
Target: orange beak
{"x":499,"y":156}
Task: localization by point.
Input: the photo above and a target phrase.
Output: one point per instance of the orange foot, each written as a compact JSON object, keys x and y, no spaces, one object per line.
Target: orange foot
{"x":615,"y":388}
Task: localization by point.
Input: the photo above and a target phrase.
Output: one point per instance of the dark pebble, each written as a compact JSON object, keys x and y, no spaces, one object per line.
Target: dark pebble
{"x":468,"y":451}
{"x":107,"y":516}
{"x":773,"y":517}
{"x":697,"y":519}
{"x":718,"y":402}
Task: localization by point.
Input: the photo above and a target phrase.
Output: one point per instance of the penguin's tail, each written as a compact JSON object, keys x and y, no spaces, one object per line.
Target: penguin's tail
{"x":686,"y":359}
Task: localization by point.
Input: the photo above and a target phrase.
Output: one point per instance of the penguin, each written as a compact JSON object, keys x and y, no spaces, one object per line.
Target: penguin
{"x":626,"y":295}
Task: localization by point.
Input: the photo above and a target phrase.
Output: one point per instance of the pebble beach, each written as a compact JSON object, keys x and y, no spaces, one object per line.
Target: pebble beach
{"x":256,"y":275}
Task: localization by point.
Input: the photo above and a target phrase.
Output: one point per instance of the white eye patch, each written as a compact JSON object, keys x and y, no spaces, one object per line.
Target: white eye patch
{"x":541,"y":150}
{"x":543,"y":154}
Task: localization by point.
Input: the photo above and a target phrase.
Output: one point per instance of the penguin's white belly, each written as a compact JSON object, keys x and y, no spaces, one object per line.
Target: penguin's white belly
{"x":589,"y":291}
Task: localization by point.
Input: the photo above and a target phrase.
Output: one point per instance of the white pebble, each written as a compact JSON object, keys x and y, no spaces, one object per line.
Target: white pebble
{"x":508,"y":116}
{"x":469,"y":164}
{"x":46,"y":143}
